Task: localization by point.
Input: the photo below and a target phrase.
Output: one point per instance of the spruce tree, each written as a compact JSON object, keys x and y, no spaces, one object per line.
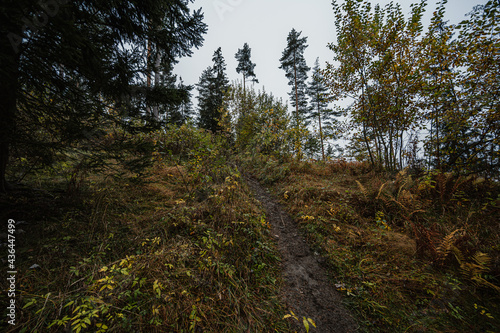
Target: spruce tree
{"x":176,"y":25}
{"x":181,"y":111}
{"x":318,"y":109}
{"x":64,"y":67}
{"x":184,"y":111}
{"x":221,"y":81}
{"x":212,"y":86}
{"x":295,"y":67}
{"x":245,"y":65}
{"x":205,"y":99}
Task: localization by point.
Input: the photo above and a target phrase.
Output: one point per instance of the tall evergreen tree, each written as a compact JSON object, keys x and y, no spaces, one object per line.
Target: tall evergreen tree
{"x":318,"y":109}
{"x":212,"y":86}
{"x":206,"y":104}
{"x":176,"y":25}
{"x":245,"y":65}
{"x":180,"y":112}
{"x":184,"y":111}
{"x":295,"y":67}
{"x":64,"y":66}
{"x":221,"y":81}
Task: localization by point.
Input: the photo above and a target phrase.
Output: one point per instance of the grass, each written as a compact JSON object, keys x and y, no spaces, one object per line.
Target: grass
{"x":410,"y":254}
{"x":185,"y":249}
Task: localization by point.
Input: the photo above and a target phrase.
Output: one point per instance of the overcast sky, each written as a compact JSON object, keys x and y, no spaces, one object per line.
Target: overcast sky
{"x":265,"y":25}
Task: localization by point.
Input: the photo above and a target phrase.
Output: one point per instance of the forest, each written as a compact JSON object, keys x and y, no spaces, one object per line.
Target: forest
{"x":132,"y":201}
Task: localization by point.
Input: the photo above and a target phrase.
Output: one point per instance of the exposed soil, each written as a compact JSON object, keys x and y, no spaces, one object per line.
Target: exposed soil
{"x":307,"y":292}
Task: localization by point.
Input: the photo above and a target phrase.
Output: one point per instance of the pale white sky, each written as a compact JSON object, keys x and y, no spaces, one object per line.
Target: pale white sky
{"x":265,"y":24}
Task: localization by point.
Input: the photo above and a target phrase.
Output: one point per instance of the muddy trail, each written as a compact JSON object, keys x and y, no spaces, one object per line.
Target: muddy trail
{"x":307,"y":290}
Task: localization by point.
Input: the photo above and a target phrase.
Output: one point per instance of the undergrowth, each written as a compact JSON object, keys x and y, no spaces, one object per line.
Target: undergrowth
{"x":410,"y":253}
{"x":183,"y":249}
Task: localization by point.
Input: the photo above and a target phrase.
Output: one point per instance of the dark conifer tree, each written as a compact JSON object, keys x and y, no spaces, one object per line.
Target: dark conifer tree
{"x":212,"y":86}
{"x":181,"y":112}
{"x":64,"y":66}
{"x":205,"y":99}
{"x":221,"y":81}
{"x":295,"y":67}
{"x":181,"y":31}
{"x":318,"y":109}
{"x":245,"y":65}
{"x":180,"y":109}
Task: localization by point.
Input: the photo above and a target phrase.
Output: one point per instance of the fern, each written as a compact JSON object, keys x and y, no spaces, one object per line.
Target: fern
{"x":380,"y":191}
{"x":403,"y":179}
{"x":363,"y":189}
{"x":458,"y":255}
{"x":474,"y":271}
{"x":448,"y":245}
{"x":425,"y":239}
{"x":482,"y":259}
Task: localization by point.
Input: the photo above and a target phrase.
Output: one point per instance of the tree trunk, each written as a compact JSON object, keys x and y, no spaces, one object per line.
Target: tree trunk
{"x":298,"y":144}
{"x":157,"y":64}
{"x":296,"y":90}
{"x":365,"y":135}
{"x":148,"y":75}
{"x":244,"y":88}
{"x":321,"y":133}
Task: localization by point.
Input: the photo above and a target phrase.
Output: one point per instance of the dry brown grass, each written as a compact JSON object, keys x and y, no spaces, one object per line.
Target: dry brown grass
{"x":152,"y":256}
{"x":383,"y":234}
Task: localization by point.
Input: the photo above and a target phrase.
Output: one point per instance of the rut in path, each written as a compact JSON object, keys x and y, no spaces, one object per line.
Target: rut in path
{"x":307,"y":291}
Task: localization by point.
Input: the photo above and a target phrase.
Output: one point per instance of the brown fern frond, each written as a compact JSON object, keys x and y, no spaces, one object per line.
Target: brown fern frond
{"x":402,"y":174}
{"x":425,"y":239}
{"x":416,"y":211}
{"x":380,"y":191}
{"x":441,"y":185}
{"x":406,"y":197}
{"x":480,"y":281}
{"x":461,"y":180}
{"x":402,"y":179}
{"x":448,"y":243}
{"x":363,"y":189}
{"x":399,"y":203}
{"x":482,"y":259}
{"x":474,"y":270}
{"x":458,"y":255}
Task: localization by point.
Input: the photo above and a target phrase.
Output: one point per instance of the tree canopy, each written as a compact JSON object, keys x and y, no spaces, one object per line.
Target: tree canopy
{"x":245,"y":65}
{"x":69,"y":66}
{"x":295,"y":67}
{"x":406,"y":84}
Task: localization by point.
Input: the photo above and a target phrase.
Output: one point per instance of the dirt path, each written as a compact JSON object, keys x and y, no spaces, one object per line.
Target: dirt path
{"x":307,"y":291}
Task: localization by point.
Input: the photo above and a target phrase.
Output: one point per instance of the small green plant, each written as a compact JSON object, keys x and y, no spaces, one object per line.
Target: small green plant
{"x":305,"y":321}
{"x":381,"y":221}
